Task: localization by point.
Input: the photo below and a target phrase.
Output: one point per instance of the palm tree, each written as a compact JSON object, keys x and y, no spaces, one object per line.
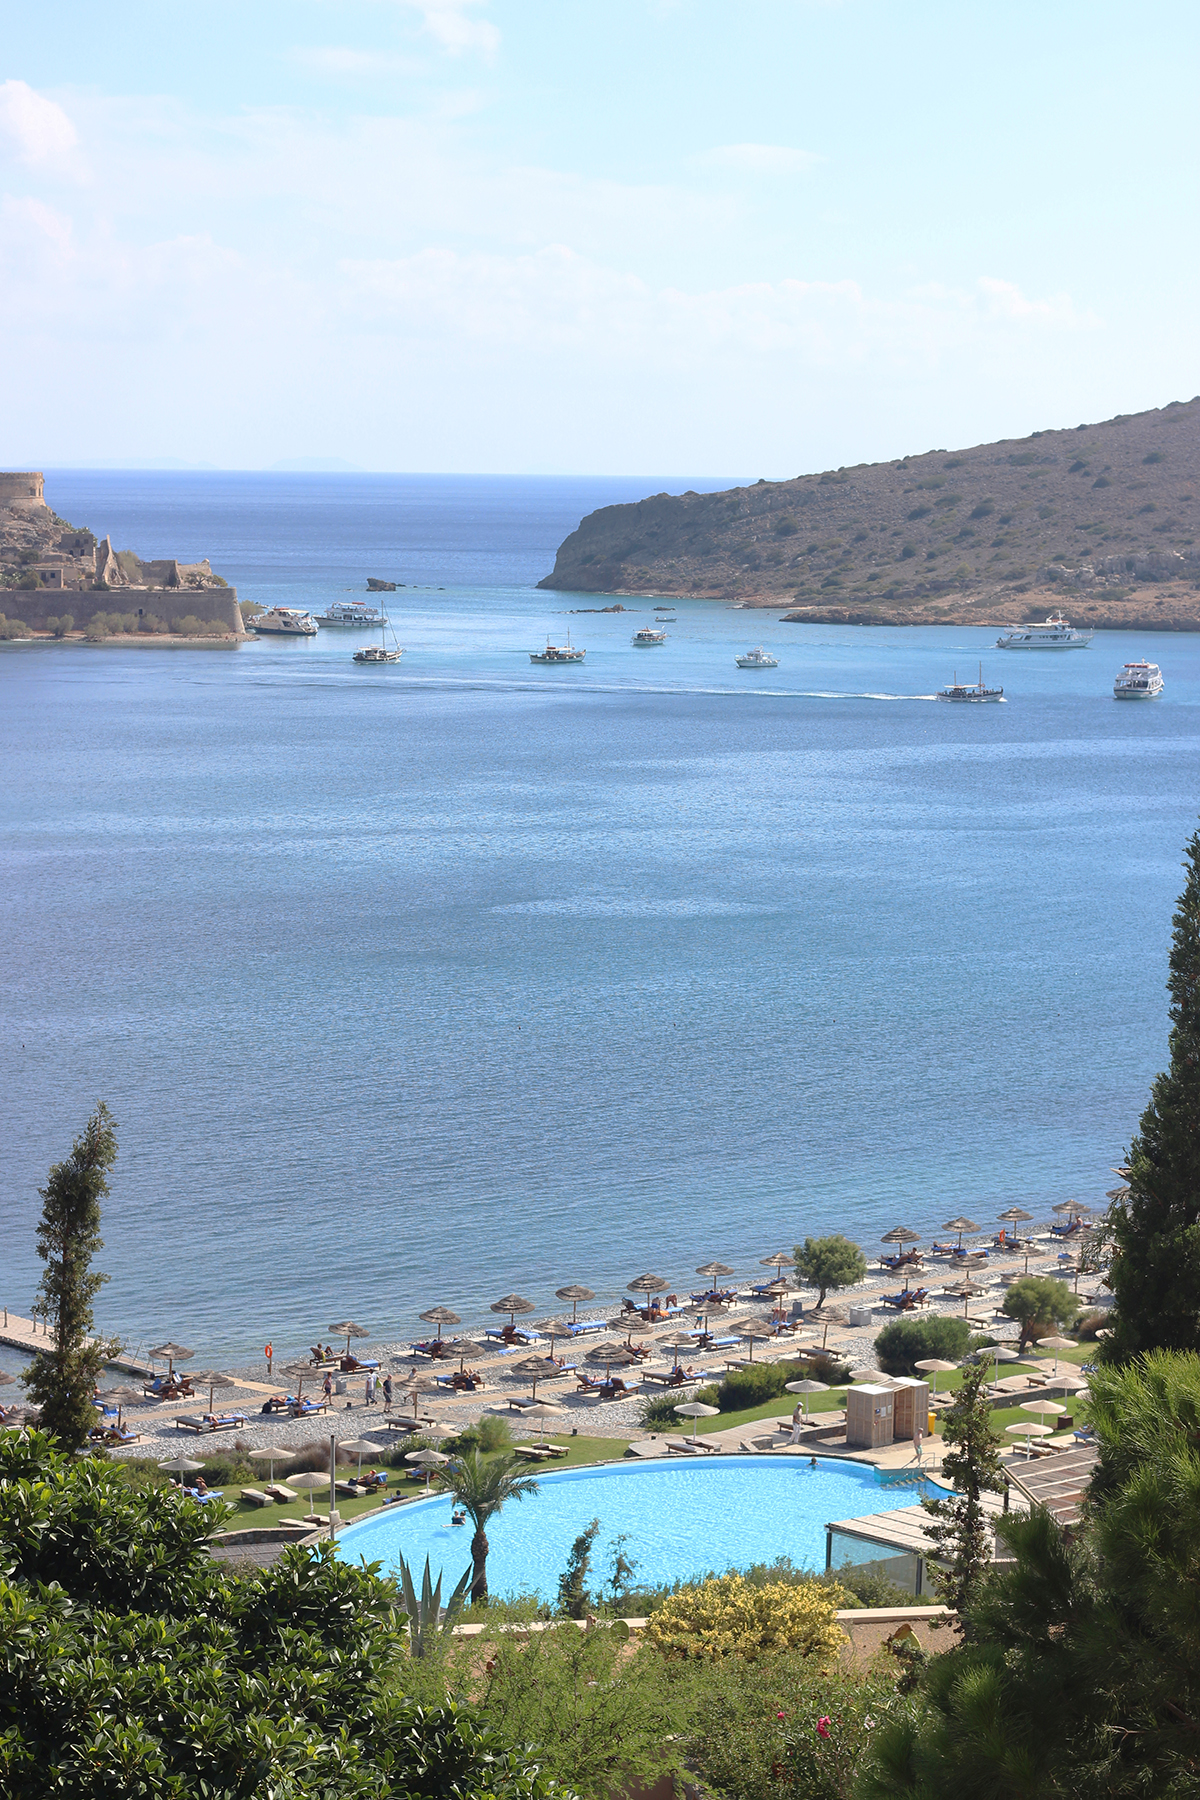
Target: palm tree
{"x":481,"y":1488}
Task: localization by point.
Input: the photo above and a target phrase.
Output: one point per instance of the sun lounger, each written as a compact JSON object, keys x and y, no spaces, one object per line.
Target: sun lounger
{"x":283,"y":1495}
{"x":308,"y":1409}
{"x":256,"y":1497}
{"x":532,"y":1452}
{"x":583,"y":1326}
{"x":203,"y":1499}
{"x":352,"y":1488}
{"x":399,"y":1424}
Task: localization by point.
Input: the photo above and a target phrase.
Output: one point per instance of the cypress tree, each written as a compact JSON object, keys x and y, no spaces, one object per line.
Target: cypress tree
{"x":62,"y":1379}
{"x":1155,"y":1275}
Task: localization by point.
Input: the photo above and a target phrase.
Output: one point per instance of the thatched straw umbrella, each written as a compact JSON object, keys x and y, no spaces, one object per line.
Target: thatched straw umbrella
{"x":577,"y":1295}
{"x":439,"y":1316}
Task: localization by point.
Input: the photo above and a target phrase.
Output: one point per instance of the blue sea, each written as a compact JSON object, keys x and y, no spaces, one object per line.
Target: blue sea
{"x":426,"y":983}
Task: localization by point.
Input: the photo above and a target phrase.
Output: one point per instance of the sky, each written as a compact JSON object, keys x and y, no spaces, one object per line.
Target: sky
{"x":565,"y":237}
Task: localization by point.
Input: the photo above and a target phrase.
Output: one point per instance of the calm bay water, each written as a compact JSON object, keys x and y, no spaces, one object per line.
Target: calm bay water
{"x":427,"y":983}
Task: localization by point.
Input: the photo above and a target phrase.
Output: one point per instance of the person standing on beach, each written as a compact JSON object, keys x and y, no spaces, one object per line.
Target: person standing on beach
{"x":387,"y":1393}
{"x":370,"y":1387}
{"x":327,"y":1387}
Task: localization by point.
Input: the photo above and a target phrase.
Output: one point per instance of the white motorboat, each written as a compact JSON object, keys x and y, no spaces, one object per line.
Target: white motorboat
{"x":1056,"y":633}
{"x":352,"y":612}
{"x":285,"y":621}
{"x":757,"y":659}
{"x":647,"y":636}
{"x":970,"y":691}
{"x":558,"y":653}
{"x":1138,"y":681}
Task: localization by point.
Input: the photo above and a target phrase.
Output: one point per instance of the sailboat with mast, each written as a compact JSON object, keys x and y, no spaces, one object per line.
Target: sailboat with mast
{"x":973,"y":691}
{"x":379,"y":653}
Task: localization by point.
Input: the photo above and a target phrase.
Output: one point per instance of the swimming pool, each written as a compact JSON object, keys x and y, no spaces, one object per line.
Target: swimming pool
{"x":679,"y":1519}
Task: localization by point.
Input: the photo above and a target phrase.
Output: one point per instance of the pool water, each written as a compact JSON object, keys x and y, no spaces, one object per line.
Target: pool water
{"x":678,"y":1519}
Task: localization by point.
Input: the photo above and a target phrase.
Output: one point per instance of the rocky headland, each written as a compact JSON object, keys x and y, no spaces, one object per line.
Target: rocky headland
{"x":51,"y":572}
{"x":1099,"y":520}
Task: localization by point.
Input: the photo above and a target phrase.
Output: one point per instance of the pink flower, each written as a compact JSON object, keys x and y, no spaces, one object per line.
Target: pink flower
{"x":823,"y":1727}
{"x":779,"y":1715}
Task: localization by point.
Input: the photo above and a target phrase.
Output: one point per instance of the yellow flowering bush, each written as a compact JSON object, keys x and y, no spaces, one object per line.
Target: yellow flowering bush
{"x":730,"y":1616}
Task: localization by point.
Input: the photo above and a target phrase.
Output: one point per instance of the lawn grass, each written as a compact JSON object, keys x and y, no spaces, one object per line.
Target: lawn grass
{"x":581,"y":1451}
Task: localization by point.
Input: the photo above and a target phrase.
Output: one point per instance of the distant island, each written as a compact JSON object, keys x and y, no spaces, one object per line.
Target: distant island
{"x":1099,"y":520}
{"x":62,"y":580}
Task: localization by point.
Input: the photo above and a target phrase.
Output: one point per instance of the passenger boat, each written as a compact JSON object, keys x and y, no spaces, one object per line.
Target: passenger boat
{"x":1138,"y":681}
{"x":558,"y":653}
{"x":757,"y":659}
{"x":1056,"y":634}
{"x":647,"y":636}
{"x":352,"y":612}
{"x":285,"y":621}
{"x":973,"y":691}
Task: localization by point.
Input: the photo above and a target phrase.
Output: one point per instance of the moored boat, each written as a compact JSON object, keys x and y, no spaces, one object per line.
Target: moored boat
{"x":648,"y":635}
{"x":1138,"y":681}
{"x":352,"y":612}
{"x":285,"y":621}
{"x":757,"y":659}
{"x":558,"y":653}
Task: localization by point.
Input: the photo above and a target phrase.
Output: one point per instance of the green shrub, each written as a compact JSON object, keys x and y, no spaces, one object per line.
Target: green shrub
{"x":30,"y":579}
{"x":488,"y":1434}
{"x":152,"y":623}
{"x":14,"y":628}
{"x":906,"y":1342}
{"x":60,"y":627}
{"x":659,"y":1409}
{"x":726,"y":1615}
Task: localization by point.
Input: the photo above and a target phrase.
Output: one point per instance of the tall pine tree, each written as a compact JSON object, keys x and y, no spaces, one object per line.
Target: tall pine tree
{"x":1155,"y":1275}
{"x":63,"y":1377}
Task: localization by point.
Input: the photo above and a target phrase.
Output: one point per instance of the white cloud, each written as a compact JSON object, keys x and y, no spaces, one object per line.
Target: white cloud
{"x":761,"y":159}
{"x":339,"y":60}
{"x":37,"y":129}
{"x":447,"y":22}
{"x":1006,"y":301}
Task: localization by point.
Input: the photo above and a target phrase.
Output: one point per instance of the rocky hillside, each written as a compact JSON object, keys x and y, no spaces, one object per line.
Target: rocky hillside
{"x":1101,"y":519}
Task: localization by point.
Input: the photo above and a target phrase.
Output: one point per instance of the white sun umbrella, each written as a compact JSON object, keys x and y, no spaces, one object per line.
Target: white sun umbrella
{"x":429,"y":1460}
{"x":439,"y":1431}
{"x":1000,"y":1353}
{"x":1029,"y":1431}
{"x":1048,"y":1409}
{"x":181,"y":1465}
{"x":805,"y":1388}
{"x":315,"y":1478}
{"x":933,"y":1365}
{"x":545,"y":1409}
{"x":270,"y":1454}
{"x":1056,"y":1344}
{"x":360,"y":1447}
{"x":696,"y":1409}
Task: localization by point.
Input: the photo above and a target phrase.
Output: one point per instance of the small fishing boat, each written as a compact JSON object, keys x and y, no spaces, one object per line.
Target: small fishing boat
{"x":558,"y":653}
{"x":757,"y":659}
{"x":379,"y":653}
{"x":970,"y":691}
{"x":647,"y":636}
{"x":1138,"y":681}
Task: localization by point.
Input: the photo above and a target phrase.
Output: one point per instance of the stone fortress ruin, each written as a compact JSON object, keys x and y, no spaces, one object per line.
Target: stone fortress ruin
{"x":49,"y":568}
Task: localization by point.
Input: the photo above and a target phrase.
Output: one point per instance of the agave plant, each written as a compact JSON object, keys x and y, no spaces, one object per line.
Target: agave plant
{"x":425,"y":1615}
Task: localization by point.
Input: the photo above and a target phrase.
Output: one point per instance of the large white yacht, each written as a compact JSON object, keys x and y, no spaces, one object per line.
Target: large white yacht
{"x":352,"y":612}
{"x":757,"y":659}
{"x":1138,"y":681}
{"x":287,"y":621}
{"x":1056,"y":634}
